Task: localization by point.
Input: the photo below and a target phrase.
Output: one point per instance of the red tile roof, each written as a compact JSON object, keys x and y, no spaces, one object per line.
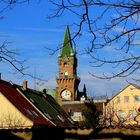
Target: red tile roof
{"x":23,"y":104}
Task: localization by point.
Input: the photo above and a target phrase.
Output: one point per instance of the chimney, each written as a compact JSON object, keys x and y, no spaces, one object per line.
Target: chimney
{"x":24,"y":84}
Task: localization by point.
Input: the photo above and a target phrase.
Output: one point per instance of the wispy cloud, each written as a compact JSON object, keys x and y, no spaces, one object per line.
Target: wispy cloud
{"x":40,"y":29}
{"x":135,"y":18}
{"x":119,"y":29}
{"x":4,"y":35}
{"x":137,"y":42}
{"x":98,"y":87}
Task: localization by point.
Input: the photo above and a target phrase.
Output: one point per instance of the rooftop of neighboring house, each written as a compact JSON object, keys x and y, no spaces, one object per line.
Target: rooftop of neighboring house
{"x":130,"y":86}
{"x":40,"y":107}
{"x":52,"y":92}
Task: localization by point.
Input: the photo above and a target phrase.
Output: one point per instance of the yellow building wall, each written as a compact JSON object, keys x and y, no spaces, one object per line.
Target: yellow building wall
{"x":10,"y":116}
{"x":118,"y":104}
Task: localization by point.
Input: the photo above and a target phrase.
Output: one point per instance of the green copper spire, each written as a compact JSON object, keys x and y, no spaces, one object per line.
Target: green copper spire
{"x":67,"y":49}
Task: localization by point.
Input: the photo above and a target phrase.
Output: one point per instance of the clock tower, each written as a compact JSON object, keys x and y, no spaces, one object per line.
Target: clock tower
{"x":67,"y":80}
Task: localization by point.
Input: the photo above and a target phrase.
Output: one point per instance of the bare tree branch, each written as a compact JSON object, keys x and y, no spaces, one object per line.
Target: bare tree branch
{"x":113,"y":24}
{"x":9,"y":56}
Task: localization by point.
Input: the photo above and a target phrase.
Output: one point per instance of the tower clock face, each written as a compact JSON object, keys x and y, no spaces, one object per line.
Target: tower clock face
{"x":66,"y":95}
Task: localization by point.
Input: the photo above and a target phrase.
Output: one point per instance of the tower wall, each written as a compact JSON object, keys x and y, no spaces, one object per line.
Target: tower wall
{"x":67,"y":80}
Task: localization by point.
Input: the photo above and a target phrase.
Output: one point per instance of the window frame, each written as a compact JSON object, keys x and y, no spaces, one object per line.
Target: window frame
{"x":126,"y":99}
{"x":136,"y":100}
{"x":118,"y":99}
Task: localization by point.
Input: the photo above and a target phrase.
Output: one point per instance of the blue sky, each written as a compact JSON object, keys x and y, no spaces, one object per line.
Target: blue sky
{"x":29,"y":32}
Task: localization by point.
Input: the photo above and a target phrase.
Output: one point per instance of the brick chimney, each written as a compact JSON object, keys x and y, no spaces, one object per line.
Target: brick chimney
{"x":24,"y":84}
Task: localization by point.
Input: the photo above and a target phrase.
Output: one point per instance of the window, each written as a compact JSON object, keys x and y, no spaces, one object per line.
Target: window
{"x":60,"y":118}
{"x":34,"y":113}
{"x":48,"y":116}
{"x":28,"y":111}
{"x":126,"y":99}
{"x":65,"y":64}
{"x":66,"y":74}
{"x":32,"y":100}
{"x":31,"y":112}
{"x":118,"y":99}
{"x":77,"y":114}
{"x":139,"y":109}
{"x":132,"y":114}
{"x":136,"y":98}
{"x":121,"y":114}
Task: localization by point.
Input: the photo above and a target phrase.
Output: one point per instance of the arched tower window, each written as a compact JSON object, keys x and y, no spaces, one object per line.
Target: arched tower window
{"x":65,"y":74}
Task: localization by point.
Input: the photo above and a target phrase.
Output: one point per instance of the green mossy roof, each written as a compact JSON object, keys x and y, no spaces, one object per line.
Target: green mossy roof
{"x":48,"y":106}
{"x":52,"y":92}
